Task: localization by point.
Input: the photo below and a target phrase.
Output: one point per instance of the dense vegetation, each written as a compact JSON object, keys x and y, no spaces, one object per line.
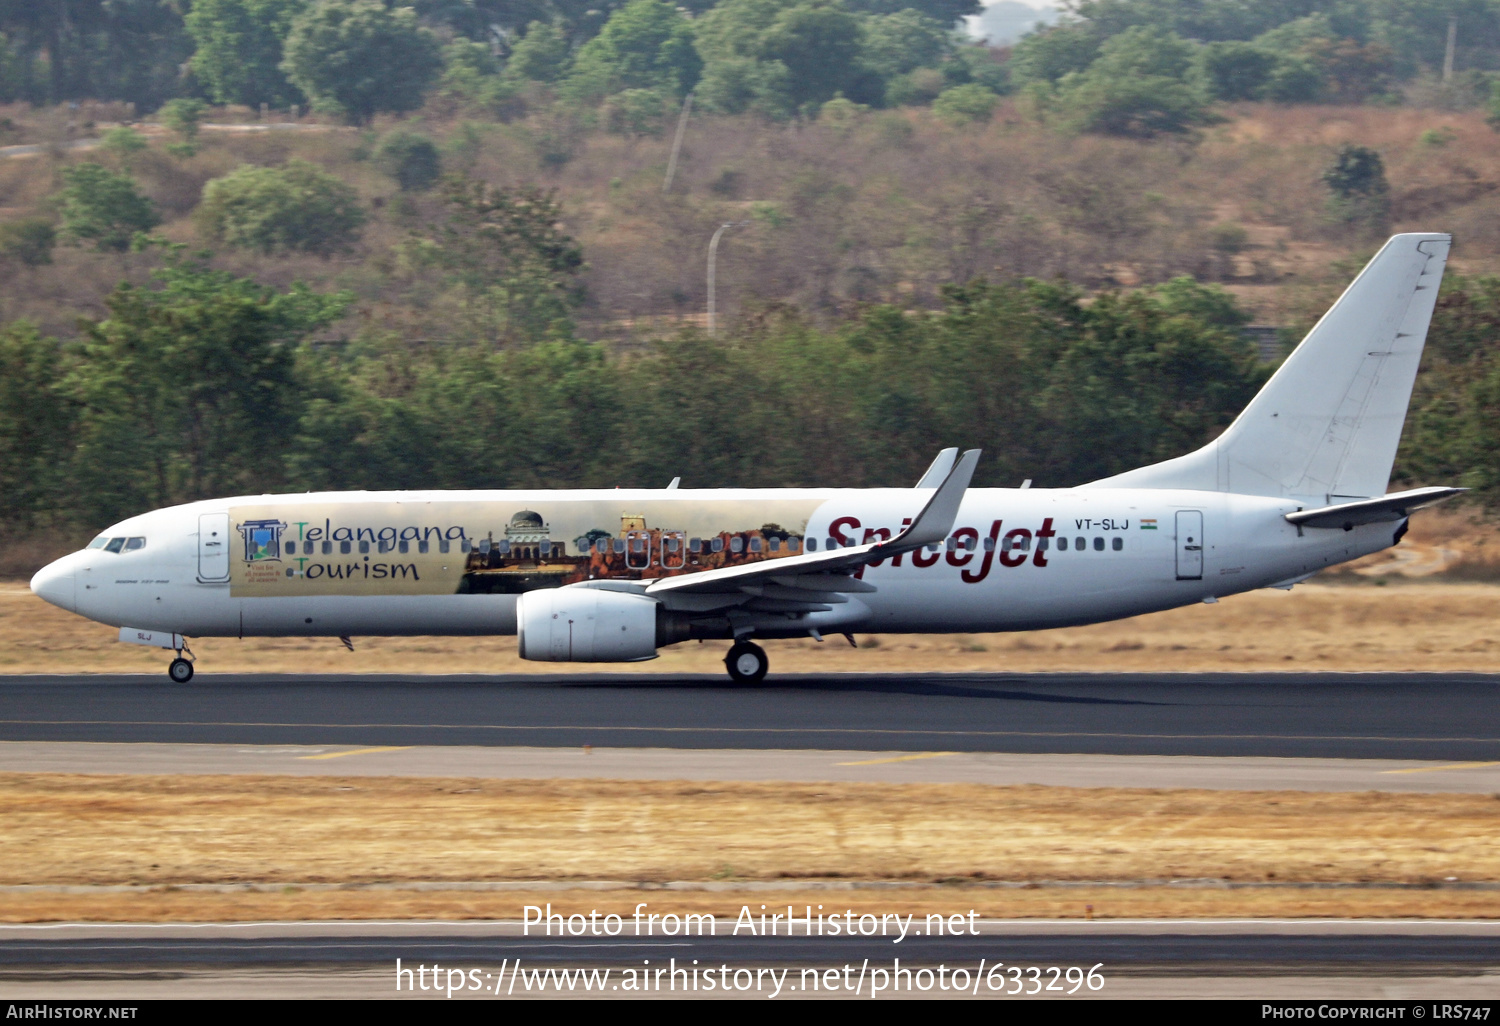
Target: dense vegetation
{"x":469,"y":270}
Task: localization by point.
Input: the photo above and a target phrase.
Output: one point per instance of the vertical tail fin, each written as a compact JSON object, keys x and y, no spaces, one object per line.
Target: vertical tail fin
{"x":1327,"y":424}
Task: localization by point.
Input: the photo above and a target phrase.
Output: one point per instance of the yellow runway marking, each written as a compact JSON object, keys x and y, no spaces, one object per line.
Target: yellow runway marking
{"x":357,"y":751}
{"x":899,"y":758}
{"x":1436,"y":769}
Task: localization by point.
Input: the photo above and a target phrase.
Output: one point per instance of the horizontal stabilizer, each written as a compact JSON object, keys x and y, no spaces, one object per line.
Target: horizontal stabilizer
{"x":1396,"y":506}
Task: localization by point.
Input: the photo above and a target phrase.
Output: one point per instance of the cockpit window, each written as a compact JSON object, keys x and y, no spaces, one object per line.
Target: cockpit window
{"x":115,"y":545}
{"x":99,"y":542}
{"x":131,"y":544}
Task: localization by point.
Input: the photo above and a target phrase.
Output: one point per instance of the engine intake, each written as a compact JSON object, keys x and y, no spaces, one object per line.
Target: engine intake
{"x":587,"y":625}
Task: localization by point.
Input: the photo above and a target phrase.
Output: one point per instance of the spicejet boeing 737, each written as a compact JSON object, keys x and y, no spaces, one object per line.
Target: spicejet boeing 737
{"x":1296,"y":484}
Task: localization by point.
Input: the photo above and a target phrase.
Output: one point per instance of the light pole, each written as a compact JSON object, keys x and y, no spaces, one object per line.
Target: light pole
{"x":713,"y":253}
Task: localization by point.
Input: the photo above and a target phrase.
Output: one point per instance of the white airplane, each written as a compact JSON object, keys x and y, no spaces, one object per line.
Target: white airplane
{"x":1296,"y":484}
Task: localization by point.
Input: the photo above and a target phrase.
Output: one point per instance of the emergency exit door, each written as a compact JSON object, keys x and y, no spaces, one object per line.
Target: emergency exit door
{"x":213,"y":547}
{"x":1189,"y":545}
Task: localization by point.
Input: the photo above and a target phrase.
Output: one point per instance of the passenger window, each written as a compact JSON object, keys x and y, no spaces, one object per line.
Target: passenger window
{"x":989,"y":545}
{"x":1118,"y":544}
{"x":619,"y":544}
{"x":1098,"y":544}
{"x":1024,"y":543}
{"x":695,"y":544}
{"x":673,"y":544}
{"x":775,"y":544}
{"x":344,"y":547}
{"x":1062,"y":545}
{"x":291,"y":548}
{"x":1006,"y":544}
{"x":421,"y":547}
{"x":736,"y":544}
{"x":464,"y":545}
{"x":444,"y":545}
{"x":135,"y":543}
{"x":791,"y":544}
{"x":382,"y":546}
{"x":755,"y":545}
{"x":406,"y":546}
{"x":637,"y":545}
{"x":1080,"y":543}
{"x":364,"y":546}
{"x":327,"y":547}
{"x":952,"y":544}
{"x":831,"y":544}
{"x":718,"y":545}
{"x":484,"y":546}
{"x":99,"y":542}
{"x":503,"y":547}
{"x":115,"y":545}
{"x":812,"y":545}
{"x":1041,"y":544}
{"x":603,"y":546}
{"x":546,"y":548}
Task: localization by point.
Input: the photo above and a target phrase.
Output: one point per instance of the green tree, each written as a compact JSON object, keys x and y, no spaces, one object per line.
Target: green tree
{"x":645,"y":45}
{"x":190,"y":388}
{"x":411,"y":159}
{"x":357,"y":58}
{"x":965,"y":105}
{"x":895,"y":44}
{"x":122,"y":141}
{"x":541,"y":55}
{"x":297,"y":207}
{"x":36,"y":428}
{"x":1136,"y":87}
{"x":103,"y":208}
{"x":1235,"y":70}
{"x":515,"y":268}
{"x":238,"y":45}
{"x":1047,"y":55}
{"x":28,"y":241}
{"x":181,"y":116}
{"x":1360,"y":193}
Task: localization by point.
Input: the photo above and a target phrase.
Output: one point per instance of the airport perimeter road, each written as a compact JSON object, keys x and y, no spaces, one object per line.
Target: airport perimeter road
{"x":1370,"y":716}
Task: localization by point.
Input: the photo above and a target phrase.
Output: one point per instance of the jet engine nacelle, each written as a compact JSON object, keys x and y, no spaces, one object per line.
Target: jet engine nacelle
{"x":586,"y":625}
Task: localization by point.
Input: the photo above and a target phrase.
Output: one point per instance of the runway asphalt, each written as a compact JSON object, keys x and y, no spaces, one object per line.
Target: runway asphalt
{"x":1401,"y":716}
{"x":1231,"y":773}
{"x":1365,"y":959}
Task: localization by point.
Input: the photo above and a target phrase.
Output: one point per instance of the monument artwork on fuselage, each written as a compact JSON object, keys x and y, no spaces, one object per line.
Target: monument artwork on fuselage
{"x":468,"y":547}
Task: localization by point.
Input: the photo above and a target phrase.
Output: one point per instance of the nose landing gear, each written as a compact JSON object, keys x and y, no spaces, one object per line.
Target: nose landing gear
{"x":746,"y":663}
{"x":181,"y":670}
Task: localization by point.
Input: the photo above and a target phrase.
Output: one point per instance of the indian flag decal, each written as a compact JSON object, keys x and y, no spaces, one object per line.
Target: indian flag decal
{"x":1148,"y":524}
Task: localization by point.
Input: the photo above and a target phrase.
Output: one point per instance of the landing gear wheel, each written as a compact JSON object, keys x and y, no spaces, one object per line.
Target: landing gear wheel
{"x":180,"y":671}
{"x":746,"y":663}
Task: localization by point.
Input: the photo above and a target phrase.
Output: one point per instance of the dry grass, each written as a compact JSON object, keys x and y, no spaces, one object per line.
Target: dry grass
{"x":291,"y":903}
{"x":86,"y":829}
{"x":886,"y":209}
{"x":167,"y":831}
{"x":1406,"y":626}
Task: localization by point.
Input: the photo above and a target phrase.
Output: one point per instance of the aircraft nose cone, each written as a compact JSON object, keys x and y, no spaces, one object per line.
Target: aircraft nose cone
{"x":54,"y":583}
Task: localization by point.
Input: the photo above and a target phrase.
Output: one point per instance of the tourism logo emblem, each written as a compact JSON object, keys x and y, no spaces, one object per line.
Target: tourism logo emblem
{"x":262,"y":539}
{"x":1148,"y":523}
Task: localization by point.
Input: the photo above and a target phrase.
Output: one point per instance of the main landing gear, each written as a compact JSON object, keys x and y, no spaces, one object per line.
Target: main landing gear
{"x":746,"y":663}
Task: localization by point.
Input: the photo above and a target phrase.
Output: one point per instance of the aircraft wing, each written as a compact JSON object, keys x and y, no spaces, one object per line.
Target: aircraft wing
{"x":1396,"y":506}
{"x":827,"y":573}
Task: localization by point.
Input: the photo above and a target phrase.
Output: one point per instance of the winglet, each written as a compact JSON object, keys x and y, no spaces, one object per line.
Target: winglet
{"x":936,"y":519}
{"x":939,"y":470}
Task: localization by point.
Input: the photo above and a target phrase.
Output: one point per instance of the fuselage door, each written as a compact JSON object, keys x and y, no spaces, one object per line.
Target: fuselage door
{"x":213,"y":547}
{"x":673,"y":550}
{"x":1189,"y":545}
{"x":638,"y":550}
